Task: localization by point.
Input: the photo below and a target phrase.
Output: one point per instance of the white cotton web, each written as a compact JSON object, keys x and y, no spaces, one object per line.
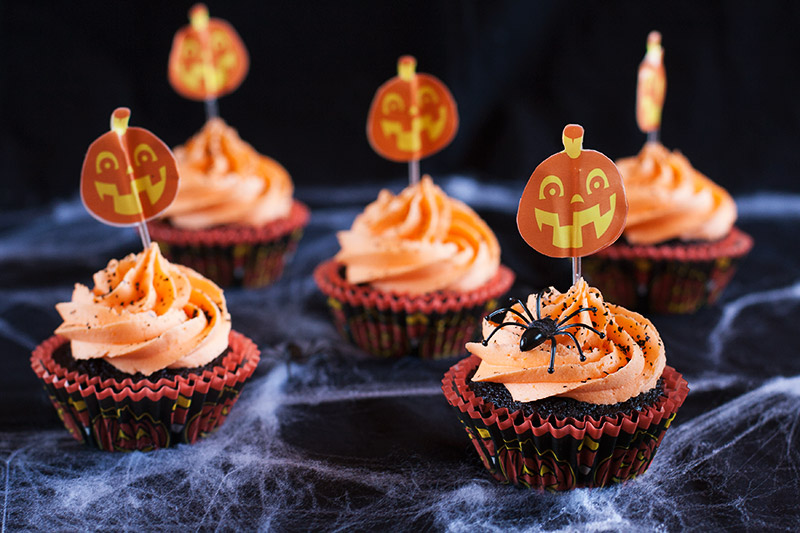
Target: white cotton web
{"x":365,"y":456}
{"x":325,"y":438}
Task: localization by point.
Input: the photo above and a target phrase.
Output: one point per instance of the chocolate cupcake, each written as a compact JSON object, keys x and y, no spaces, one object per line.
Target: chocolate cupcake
{"x":234,"y":219}
{"x":146,"y":358}
{"x":680,"y":247}
{"x":414,"y":274}
{"x":565,"y":391}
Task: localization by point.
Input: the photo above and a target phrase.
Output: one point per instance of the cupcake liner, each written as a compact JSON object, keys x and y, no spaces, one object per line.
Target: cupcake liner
{"x":144,"y":415}
{"x":667,"y":278}
{"x":387,"y":324}
{"x":234,"y":255}
{"x":562,"y":453}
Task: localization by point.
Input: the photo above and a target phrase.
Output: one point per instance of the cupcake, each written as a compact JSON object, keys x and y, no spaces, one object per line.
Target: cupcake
{"x":565,"y":391}
{"x":680,"y":246}
{"x":414,"y":274}
{"x":234,"y":219}
{"x":146,"y":358}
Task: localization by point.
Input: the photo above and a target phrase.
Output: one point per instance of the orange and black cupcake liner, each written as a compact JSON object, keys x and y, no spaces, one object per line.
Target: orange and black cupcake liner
{"x":667,"y":278}
{"x":387,"y":324}
{"x":234,"y":255}
{"x":558,"y":454}
{"x":143,"y":415}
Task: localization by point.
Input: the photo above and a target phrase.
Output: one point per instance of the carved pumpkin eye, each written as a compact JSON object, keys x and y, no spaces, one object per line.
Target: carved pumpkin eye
{"x":551,"y":187}
{"x":106,"y":161}
{"x":427,"y":95}
{"x":191,"y":49}
{"x":392,"y":102}
{"x":144,"y":154}
{"x":596,"y":180}
{"x":220,"y":41}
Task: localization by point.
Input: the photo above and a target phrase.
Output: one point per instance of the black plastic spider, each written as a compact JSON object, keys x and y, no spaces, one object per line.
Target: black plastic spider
{"x":539,"y":329}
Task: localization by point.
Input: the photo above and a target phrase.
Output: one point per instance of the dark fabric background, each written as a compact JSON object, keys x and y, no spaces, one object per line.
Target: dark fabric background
{"x":519,"y":71}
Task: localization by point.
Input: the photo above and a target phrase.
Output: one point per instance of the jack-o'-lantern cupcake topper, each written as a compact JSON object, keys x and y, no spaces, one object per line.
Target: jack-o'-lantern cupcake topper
{"x":412,"y":116}
{"x":129,"y":176}
{"x":208,"y":59}
{"x":651,"y":88}
{"x":574,"y":203}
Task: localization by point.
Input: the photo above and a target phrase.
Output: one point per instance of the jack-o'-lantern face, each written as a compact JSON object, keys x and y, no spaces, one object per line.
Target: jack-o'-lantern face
{"x":208,"y":59}
{"x":574,"y":203}
{"x":129,"y":175}
{"x":412,"y":115}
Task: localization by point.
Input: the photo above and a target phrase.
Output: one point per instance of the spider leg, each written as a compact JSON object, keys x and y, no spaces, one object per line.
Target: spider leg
{"x":539,"y":305}
{"x":575,"y":340}
{"x":582,"y":309}
{"x":485,"y":342}
{"x":552,"y":356}
{"x":560,"y":329}
{"x":506,"y":310}
{"x":525,"y":307}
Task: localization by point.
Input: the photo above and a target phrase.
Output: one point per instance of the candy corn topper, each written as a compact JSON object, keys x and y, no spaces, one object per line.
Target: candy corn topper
{"x":129,"y":175}
{"x":574,"y":203}
{"x":412,"y":116}
{"x":208,"y":59}
{"x":651,"y":87}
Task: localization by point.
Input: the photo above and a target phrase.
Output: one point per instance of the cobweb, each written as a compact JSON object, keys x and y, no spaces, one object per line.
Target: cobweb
{"x":323,"y":438}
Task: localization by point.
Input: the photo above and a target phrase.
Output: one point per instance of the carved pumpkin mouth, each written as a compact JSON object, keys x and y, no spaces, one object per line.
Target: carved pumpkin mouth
{"x":571,"y":235}
{"x":409,"y":140}
{"x":129,"y":204}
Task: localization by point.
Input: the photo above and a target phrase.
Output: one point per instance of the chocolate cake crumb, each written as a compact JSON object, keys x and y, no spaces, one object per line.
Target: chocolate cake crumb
{"x":497,"y":394}
{"x":98,"y":367}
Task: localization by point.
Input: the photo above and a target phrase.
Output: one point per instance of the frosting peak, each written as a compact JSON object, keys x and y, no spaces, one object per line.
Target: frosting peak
{"x":145,"y":314}
{"x":225,"y":181}
{"x":419,"y":241}
{"x":626,"y":362}
{"x":669,"y":199}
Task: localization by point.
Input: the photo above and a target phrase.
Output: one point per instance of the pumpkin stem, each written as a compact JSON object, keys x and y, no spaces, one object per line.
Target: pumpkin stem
{"x":119,"y":120}
{"x":406,"y":67}
{"x":573,"y":140}
{"x":198,"y":17}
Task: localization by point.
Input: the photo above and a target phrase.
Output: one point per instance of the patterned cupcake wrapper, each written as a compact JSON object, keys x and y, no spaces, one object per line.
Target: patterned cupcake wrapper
{"x":561,"y":454}
{"x":235,"y":255}
{"x":667,"y":279}
{"x":122,"y":416}
{"x":431,"y":326}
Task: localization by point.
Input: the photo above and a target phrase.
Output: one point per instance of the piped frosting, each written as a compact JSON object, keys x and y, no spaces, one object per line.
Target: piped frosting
{"x":419,"y":241}
{"x":145,"y":314}
{"x":225,"y":181}
{"x":626,"y":362}
{"x":669,"y":199}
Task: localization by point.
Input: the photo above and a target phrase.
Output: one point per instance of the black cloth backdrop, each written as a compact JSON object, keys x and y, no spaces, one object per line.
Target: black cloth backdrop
{"x":519,"y":71}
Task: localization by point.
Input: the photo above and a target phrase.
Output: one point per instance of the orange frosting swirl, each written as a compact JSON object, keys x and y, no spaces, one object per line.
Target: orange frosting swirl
{"x":419,"y":241}
{"x":145,"y":314}
{"x":225,"y":181}
{"x":669,"y":199}
{"x":627,"y":362}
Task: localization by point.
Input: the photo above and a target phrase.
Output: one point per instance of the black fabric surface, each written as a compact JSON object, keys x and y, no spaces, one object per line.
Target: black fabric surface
{"x":324,"y":438}
{"x":519,"y":71}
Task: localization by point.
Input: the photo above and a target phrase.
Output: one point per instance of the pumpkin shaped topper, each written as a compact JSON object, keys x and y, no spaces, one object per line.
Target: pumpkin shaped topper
{"x":208,"y":59}
{"x":574,"y":202}
{"x":652,"y":86}
{"x":129,"y":175}
{"x":412,"y":116}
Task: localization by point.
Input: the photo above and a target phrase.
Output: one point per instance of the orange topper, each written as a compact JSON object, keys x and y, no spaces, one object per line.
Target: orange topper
{"x":208,"y":59}
{"x":412,"y":115}
{"x":652,"y":85}
{"x":129,"y":175}
{"x":574,"y":203}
